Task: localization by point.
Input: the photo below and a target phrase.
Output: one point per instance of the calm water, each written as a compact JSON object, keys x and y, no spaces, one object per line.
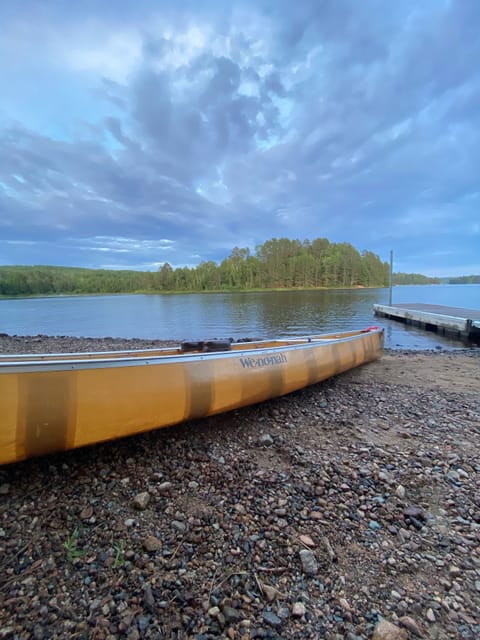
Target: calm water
{"x":236,"y":315}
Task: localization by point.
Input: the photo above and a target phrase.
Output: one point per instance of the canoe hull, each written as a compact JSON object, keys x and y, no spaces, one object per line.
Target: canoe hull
{"x":59,"y":404}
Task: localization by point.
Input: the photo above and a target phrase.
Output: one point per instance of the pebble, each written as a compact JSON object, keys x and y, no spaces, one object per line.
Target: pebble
{"x":86,"y":513}
{"x":141,"y":501}
{"x":269,"y":592}
{"x":400,"y":492}
{"x":309,"y":562}
{"x":307,"y":541}
{"x":386,"y":630}
{"x":415,"y":512}
{"x":298,"y":610}
{"x":412,"y":625}
{"x":271,"y":619}
{"x":430,"y":615}
{"x":231,"y":614}
{"x":454,"y":571}
{"x":151,"y":543}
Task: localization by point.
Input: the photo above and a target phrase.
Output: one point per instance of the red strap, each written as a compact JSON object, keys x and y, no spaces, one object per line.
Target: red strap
{"x":372,"y":328}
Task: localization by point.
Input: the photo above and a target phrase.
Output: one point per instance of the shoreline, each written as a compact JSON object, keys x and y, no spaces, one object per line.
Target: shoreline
{"x":189,"y":292}
{"x":316,"y":514}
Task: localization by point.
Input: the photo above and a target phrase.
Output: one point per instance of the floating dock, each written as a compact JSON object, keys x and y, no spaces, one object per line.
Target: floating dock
{"x":449,"y":321}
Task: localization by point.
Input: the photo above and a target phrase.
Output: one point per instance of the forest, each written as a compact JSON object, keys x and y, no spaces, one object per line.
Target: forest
{"x":279,"y":263}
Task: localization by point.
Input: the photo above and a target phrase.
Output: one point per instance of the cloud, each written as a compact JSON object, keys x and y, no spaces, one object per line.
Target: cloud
{"x":232,"y":123}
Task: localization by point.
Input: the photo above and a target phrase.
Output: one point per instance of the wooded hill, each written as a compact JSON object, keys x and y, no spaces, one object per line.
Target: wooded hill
{"x":276,"y":264}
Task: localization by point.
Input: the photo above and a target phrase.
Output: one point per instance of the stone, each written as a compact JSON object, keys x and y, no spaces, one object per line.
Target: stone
{"x":86,"y":513}
{"x":269,"y":592}
{"x":164,"y":487}
{"x":307,"y":541}
{"x":4,"y":489}
{"x":414,"y":512}
{"x":179,"y":526}
{"x":385,"y":630}
{"x":309,"y":562}
{"x":430,"y":615}
{"x":345,"y":605}
{"x":271,"y":619}
{"x":454,"y":571}
{"x":298,"y":610}
{"x":400,"y":492}
{"x":411,"y":625}
{"x":151,"y":543}
{"x":231,"y":614}
{"x":265,"y":440}
{"x":141,"y":500}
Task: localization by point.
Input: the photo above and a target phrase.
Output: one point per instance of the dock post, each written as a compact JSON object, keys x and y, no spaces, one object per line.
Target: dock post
{"x":390,"y":280}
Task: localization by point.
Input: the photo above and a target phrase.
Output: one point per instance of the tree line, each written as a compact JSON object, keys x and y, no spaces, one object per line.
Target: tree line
{"x":414,"y":278}
{"x":279,"y":263}
{"x":465,"y":280}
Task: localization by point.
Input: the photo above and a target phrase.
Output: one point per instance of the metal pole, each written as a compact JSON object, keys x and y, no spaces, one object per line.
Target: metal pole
{"x":391,"y":279}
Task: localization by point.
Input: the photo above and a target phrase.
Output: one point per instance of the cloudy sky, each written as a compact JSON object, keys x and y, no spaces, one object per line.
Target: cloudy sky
{"x":135,"y":133}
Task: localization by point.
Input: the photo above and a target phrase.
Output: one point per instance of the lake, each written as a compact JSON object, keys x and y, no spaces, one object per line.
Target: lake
{"x":237,"y":315}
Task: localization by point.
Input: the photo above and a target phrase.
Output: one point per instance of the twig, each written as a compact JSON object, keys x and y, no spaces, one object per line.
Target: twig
{"x":212,"y":583}
{"x":259,"y":584}
{"x":176,"y":550}
{"x":19,"y":552}
{"x":20,"y":576}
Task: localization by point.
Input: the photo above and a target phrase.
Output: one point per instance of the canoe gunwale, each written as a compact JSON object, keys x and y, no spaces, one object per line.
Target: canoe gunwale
{"x":9,"y":364}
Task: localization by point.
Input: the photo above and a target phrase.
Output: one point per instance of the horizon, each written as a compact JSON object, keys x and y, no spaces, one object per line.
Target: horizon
{"x":134,"y":136}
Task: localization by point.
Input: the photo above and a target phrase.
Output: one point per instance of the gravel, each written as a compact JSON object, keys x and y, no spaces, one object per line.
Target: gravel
{"x":359,"y":513}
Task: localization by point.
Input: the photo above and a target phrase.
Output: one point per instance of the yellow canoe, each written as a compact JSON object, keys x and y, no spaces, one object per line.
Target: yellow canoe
{"x":55,"y":402}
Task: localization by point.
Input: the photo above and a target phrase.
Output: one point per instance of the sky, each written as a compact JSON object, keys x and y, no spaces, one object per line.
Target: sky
{"x":134,"y":133}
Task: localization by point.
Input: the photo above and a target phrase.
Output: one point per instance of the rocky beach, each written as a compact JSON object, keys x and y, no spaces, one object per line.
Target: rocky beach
{"x":347,"y":510}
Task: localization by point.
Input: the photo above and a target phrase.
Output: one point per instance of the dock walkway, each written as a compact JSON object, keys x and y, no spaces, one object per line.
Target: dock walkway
{"x":452,"y":321}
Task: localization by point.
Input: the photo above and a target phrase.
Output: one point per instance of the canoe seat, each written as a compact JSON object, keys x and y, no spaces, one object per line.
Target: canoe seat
{"x":208,"y":346}
{"x":192,"y":346}
{"x":217,"y":345}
